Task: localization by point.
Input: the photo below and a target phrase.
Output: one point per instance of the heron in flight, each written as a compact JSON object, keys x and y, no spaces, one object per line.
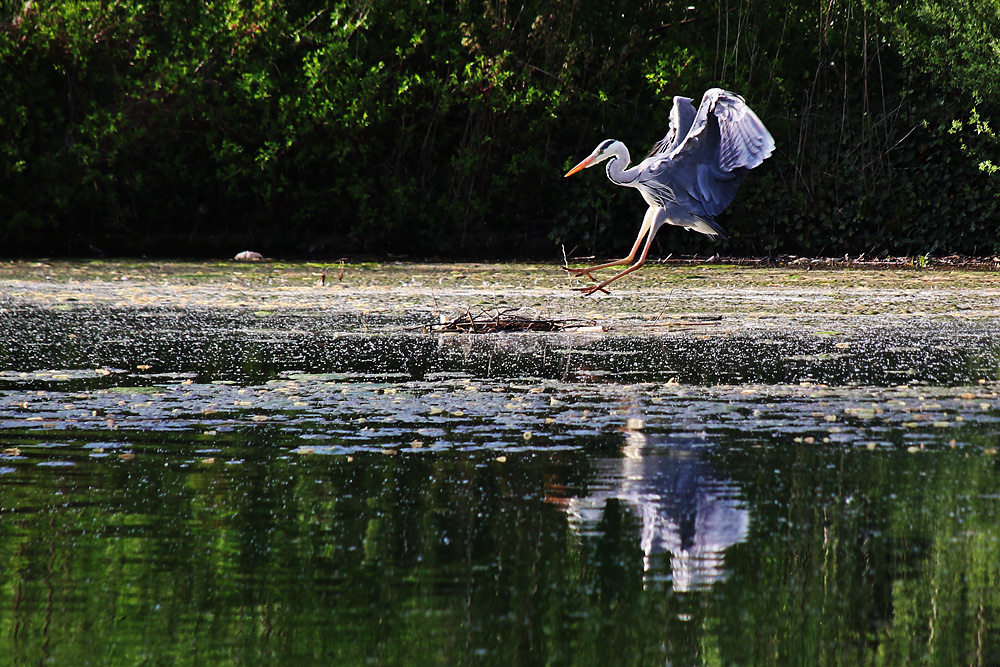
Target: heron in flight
{"x":690,"y":176}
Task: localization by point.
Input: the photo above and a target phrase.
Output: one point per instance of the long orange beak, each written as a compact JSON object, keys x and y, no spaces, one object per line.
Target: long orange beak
{"x":583,"y":165}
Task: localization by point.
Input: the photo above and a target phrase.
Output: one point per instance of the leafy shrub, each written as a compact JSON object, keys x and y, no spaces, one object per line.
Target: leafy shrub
{"x":398,"y":126}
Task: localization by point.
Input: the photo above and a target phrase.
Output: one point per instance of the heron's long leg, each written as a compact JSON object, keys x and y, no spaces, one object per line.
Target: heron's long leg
{"x":655,"y":223}
{"x":646,"y":224}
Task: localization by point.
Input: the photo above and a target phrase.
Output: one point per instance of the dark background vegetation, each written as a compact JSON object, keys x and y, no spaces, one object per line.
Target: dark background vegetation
{"x":413,"y":127}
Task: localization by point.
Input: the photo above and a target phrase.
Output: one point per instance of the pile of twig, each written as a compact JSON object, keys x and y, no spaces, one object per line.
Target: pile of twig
{"x":494,"y":320}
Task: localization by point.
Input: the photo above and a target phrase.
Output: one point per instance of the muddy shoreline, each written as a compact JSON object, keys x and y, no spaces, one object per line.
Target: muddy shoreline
{"x":405,"y":293}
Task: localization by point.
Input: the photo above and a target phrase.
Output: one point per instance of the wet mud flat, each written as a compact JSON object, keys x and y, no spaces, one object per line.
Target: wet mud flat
{"x":221,"y":448}
{"x":411,"y":290}
{"x":216,"y":333}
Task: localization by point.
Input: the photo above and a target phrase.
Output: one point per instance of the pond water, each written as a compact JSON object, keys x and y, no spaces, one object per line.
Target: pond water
{"x":225,"y":486}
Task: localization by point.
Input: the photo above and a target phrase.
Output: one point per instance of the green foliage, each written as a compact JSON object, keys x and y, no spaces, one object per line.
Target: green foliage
{"x":385,"y":126}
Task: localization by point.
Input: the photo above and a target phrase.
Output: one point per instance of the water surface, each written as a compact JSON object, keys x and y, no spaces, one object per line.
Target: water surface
{"x":185,"y":485}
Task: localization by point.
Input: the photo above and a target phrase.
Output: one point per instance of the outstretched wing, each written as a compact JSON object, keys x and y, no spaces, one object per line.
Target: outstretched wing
{"x":743,"y":141}
{"x":726,"y":140}
{"x":682,"y":115}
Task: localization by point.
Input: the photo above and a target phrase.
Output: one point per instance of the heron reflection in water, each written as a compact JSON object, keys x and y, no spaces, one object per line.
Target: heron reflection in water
{"x":686,"y":507}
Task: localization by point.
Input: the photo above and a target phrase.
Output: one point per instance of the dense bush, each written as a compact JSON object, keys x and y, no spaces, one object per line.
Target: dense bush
{"x":402,"y":126}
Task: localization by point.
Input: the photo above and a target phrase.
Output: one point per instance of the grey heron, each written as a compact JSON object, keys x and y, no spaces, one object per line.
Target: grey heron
{"x":692,"y":173}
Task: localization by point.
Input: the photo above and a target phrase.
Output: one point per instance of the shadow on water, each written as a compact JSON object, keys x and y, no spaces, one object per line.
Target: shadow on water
{"x":235,"y":487}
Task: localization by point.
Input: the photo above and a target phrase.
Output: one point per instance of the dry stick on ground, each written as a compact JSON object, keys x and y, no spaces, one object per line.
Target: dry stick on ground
{"x":510,"y":320}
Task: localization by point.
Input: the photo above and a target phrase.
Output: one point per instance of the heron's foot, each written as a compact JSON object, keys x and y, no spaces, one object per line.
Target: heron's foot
{"x":590,"y":289}
{"x":580,"y":272}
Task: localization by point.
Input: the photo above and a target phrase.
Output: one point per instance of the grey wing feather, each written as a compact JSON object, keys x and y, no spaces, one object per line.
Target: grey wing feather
{"x":682,"y":115}
{"x":745,"y":142}
{"x":726,"y":140}
{"x":743,"y":139}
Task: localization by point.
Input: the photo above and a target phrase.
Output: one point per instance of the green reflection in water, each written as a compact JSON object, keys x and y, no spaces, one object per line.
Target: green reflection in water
{"x":852,"y":556}
{"x":204,"y":491}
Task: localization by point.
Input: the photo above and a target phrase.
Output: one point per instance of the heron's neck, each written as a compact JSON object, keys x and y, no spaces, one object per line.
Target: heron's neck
{"x":616,"y":166}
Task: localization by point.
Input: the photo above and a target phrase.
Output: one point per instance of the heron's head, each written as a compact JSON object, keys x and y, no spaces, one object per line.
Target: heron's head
{"x":606,"y":149}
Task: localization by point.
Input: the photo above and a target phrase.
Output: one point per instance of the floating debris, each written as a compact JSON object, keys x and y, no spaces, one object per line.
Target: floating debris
{"x":511,"y":319}
{"x":688,"y":321}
